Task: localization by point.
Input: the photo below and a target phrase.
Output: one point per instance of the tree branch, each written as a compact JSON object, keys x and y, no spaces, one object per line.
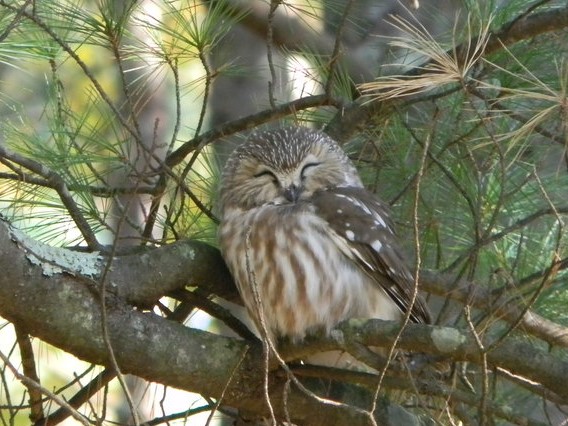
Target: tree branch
{"x":56,"y":182}
{"x":355,"y":116}
{"x":477,"y":295}
{"x":527,"y":28}
{"x":246,"y":123}
{"x":64,"y":310}
{"x":29,"y":368}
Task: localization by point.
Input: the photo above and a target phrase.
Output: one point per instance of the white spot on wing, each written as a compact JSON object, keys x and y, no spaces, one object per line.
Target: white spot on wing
{"x":350,"y":235}
{"x":377,"y":245}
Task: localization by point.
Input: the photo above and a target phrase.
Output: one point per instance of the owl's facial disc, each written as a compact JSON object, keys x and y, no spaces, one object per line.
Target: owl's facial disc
{"x":291,"y":185}
{"x":295,"y":185}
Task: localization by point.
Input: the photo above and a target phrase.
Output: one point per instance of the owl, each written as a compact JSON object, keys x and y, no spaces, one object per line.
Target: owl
{"x":307,"y":244}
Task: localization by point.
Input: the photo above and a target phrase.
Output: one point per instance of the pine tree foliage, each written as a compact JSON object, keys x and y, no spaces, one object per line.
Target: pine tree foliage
{"x":455,"y":112}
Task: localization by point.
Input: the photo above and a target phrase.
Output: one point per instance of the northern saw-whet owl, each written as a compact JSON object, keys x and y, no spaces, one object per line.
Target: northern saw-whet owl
{"x":307,"y":244}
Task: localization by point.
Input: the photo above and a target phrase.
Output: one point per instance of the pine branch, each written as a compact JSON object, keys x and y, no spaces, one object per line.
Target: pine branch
{"x":247,"y":123}
{"x":56,"y":182}
{"x":355,"y":116}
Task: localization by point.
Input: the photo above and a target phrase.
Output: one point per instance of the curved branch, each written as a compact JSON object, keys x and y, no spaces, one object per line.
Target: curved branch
{"x":246,"y":123}
{"x":64,"y":310}
{"x":142,"y":278}
{"x":56,"y":182}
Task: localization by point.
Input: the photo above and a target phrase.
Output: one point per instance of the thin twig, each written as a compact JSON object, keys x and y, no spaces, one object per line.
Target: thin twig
{"x":56,"y":182}
{"x":162,"y":181}
{"x":197,"y":299}
{"x":98,"y":191}
{"x":72,"y":53}
{"x":229,"y":380}
{"x":336,"y":49}
{"x":504,"y":232}
{"x":81,"y":397}
{"x":31,"y":383}
{"x":173,"y":63}
{"x":266,"y":335}
{"x":14,"y":21}
{"x":206,"y":89}
{"x":269,"y":46}
{"x":177,"y":416}
{"x":160,"y":186}
{"x":29,"y":367}
{"x":483,"y":401}
{"x":418,"y":263}
{"x":114,"y":40}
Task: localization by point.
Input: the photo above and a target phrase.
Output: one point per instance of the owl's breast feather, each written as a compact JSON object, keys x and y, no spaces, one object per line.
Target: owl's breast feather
{"x":286,"y":258}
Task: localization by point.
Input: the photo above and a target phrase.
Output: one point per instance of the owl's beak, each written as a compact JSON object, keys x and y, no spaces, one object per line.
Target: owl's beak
{"x":292,"y":193}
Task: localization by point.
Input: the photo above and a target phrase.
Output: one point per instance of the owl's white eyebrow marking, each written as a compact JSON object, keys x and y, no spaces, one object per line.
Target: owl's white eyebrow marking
{"x":377,"y":245}
{"x":350,"y":235}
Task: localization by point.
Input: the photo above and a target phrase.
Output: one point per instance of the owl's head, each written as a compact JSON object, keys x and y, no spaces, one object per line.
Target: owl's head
{"x":284,"y":166}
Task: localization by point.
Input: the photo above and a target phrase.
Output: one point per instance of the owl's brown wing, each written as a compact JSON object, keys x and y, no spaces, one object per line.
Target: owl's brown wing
{"x":368,"y":237}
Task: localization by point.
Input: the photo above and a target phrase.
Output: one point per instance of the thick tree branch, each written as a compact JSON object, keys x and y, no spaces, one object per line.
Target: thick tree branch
{"x":527,"y":28}
{"x":140,"y":278}
{"x":63,"y":309}
{"x":143,"y":278}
